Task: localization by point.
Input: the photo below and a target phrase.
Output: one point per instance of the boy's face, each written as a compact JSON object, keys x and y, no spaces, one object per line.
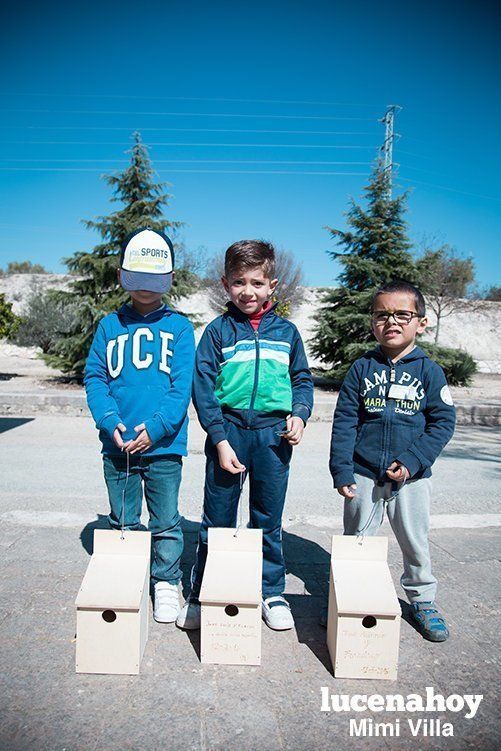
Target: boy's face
{"x":396,"y":336}
{"x":249,"y":289}
{"x":144,"y":296}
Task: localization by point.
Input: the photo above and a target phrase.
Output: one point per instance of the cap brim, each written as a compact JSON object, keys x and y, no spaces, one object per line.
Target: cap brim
{"x":133,"y":281}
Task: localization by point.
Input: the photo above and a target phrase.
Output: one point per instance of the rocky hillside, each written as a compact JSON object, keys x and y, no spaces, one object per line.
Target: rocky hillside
{"x":18,"y":287}
{"x":474,"y":329}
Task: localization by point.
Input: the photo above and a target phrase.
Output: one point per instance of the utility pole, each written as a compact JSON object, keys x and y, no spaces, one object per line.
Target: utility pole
{"x":387,"y":147}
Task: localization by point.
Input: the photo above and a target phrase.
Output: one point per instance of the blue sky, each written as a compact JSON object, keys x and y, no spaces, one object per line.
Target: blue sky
{"x":263,"y":116}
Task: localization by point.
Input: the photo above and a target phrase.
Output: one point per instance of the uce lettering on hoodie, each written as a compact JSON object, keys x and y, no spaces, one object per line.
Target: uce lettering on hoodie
{"x":139,"y":370}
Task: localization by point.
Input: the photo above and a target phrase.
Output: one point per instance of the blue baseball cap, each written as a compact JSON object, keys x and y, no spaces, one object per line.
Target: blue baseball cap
{"x":147,"y":261}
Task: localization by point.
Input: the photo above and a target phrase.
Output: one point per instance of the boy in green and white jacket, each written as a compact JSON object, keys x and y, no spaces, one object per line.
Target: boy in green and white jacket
{"x":253,"y":393}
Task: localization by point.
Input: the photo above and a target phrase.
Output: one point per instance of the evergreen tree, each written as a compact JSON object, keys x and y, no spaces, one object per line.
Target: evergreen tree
{"x":375,"y":250}
{"x":96,"y":291}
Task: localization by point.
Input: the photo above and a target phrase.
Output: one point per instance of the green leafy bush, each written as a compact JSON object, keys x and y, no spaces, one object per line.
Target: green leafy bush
{"x":8,"y":320}
{"x":45,"y":318}
{"x":25,"y":267}
{"x":459,"y":367}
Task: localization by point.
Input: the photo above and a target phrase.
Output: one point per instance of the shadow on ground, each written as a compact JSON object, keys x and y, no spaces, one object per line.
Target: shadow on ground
{"x":9,"y":423}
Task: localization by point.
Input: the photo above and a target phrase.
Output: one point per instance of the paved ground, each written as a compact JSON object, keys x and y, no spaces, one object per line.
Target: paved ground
{"x":52,"y":498}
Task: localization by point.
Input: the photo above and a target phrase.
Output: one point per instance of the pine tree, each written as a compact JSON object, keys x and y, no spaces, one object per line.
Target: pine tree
{"x":375,"y":250}
{"x":96,"y":291}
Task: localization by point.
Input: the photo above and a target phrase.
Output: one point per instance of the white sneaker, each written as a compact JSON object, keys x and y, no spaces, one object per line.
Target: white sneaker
{"x":190,"y":616}
{"x":167,"y":607}
{"x":277,"y":613}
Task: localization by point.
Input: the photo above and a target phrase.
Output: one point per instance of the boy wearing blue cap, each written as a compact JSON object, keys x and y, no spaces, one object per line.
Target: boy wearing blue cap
{"x":138,"y":382}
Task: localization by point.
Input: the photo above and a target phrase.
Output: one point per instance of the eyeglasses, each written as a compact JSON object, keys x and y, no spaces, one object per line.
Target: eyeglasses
{"x":403,"y":317}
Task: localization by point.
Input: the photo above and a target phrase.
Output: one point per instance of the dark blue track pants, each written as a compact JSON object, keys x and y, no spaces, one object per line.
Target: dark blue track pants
{"x":266,"y":457}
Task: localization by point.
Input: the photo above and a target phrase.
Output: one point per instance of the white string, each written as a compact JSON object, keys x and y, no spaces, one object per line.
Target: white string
{"x":361,"y":532}
{"x":240,"y":504}
{"x":122,"y":536}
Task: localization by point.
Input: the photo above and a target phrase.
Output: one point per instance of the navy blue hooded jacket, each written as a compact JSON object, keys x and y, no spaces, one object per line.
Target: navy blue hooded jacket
{"x":371,"y":430}
{"x":252,"y":378}
{"x":139,"y":370}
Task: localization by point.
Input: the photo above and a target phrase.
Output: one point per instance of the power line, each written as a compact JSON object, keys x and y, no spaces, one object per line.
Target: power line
{"x":188,"y":161}
{"x":192,"y":99}
{"x":194,"y":171}
{"x":191,"y":130}
{"x":196,"y":145}
{"x":411,"y":153}
{"x":188,"y":114}
{"x":426,"y":171}
{"x":452,"y":190}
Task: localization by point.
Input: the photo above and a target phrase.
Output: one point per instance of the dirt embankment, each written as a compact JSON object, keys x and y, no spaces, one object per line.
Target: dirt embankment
{"x":475,"y":328}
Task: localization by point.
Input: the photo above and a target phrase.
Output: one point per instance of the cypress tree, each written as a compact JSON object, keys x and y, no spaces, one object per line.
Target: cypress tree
{"x":96,"y":291}
{"x":374,"y":250}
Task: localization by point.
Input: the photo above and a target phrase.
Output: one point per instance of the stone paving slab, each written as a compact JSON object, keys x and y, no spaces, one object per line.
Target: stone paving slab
{"x":53,"y":497}
{"x":178,"y":703}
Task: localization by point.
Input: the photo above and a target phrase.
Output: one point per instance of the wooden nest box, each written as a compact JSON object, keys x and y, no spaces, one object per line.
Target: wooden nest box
{"x":112,"y":604}
{"x":231,"y":598}
{"x":363,"y":627}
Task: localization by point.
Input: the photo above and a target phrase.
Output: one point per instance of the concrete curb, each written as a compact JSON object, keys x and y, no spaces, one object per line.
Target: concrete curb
{"x":73,"y":403}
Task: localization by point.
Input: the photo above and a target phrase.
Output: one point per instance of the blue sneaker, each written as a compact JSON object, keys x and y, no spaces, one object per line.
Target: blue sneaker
{"x":429,"y":621}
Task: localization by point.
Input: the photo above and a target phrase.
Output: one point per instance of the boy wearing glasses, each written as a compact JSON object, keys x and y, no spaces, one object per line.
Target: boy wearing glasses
{"x":393,"y":417}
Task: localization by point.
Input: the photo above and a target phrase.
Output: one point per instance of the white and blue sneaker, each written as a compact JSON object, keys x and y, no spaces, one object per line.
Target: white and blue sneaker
{"x":166,"y":606}
{"x":277,"y":613}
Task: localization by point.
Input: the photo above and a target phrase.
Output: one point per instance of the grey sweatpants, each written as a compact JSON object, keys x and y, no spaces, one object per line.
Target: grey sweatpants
{"x":409,"y":515}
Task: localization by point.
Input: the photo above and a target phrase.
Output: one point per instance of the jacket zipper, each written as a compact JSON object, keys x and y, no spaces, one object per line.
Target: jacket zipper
{"x":256,"y":380}
{"x":388,"y":417}
{"x":256,"y":369}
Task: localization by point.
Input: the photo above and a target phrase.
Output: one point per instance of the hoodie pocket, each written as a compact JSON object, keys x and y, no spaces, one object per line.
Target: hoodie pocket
{"x":369,"y":444}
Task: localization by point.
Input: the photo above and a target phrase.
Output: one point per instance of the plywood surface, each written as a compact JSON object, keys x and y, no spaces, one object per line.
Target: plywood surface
{"x":239,"y":541}
{"x":364,"y":588}
{"x":112,"y":542}
{"x":113,"y":581}
{"x":359,"y":548}
{"x":232,"y":578}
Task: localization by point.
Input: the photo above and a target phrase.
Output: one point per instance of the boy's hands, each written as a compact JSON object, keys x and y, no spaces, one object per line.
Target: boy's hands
{"x":347,"y":491}
{"x":398,"y":472}
{"x":295,"y":430}
{"x":228,"y":460}
{"x":141,"y":443}
{"x":117,"y":435}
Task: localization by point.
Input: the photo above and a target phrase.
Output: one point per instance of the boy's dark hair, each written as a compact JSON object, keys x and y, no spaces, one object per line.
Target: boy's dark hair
{"x":248,"y":254}
{"x":402,"y":286}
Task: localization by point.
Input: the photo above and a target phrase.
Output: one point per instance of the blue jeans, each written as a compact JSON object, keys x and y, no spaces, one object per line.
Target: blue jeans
{"x":161,"y":477}
{"x":267,"y":458}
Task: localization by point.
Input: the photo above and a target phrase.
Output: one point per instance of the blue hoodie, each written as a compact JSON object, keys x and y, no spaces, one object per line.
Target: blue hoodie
{"x":373,"y":428}
{"x":139,"y":370}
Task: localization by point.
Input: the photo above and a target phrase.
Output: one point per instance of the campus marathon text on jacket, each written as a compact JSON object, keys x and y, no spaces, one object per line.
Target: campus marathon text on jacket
{"x":251,"y":378}
{"x":139,"y":370}
{"x":390,"y":411}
